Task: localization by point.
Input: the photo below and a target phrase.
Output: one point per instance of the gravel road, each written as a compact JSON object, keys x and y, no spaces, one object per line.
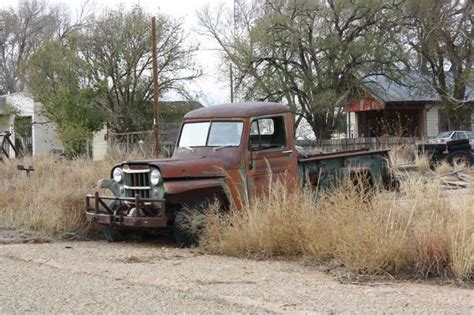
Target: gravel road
{"x":101,"y":277}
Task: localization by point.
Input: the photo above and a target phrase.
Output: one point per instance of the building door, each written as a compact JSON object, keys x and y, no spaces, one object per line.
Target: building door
{"x":23,"y":135}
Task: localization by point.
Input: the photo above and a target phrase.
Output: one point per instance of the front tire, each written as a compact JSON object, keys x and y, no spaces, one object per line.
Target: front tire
{"x":112,"y":234}
{"x":187,"y":227}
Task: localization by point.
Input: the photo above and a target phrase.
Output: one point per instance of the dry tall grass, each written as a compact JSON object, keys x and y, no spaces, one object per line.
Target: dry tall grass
{"x":419,"y":233}
{"x":52,"y":199}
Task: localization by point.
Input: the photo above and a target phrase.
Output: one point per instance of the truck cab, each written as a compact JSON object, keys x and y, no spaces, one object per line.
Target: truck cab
{"x":225,"y":153}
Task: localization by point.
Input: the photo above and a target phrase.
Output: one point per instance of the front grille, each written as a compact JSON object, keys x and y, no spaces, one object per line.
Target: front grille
{"x":137,"y":182}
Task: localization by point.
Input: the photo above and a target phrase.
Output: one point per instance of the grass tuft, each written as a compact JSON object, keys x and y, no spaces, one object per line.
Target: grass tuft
{"x":420,"y":233}
{"x":52,"y":198}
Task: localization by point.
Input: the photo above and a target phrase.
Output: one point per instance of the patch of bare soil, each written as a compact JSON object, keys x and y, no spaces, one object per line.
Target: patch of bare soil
{"x":17,"y":236}
{"x":145,"y":277}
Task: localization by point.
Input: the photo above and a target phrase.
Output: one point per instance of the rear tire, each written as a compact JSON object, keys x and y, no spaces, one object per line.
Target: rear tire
{"x":460,"y":158}
{"x":112,"y":234}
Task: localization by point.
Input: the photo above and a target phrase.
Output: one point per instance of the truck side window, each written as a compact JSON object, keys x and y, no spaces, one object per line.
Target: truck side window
{"x":267,"y":133}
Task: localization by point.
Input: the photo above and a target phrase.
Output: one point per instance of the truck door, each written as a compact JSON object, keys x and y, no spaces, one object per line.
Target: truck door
{"x":270,"y":155}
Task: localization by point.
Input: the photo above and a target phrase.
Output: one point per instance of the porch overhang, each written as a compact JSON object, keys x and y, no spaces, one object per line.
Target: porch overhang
{"x":365,"y":105}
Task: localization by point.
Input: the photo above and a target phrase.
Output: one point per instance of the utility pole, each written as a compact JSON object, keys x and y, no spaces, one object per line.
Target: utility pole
{"x":236,"y":20}
{"x":156,"y":109}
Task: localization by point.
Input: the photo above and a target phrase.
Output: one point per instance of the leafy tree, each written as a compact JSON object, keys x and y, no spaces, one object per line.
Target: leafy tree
{"x":310,"y":54}
{"x":56,"y":76}
{"x":100,"y":71}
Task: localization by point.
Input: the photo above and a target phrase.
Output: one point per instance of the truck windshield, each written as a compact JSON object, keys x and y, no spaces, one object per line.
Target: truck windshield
{"x":211,"y":134}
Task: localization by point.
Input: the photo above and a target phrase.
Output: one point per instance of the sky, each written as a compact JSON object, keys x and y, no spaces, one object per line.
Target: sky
{"x":213,"y":87}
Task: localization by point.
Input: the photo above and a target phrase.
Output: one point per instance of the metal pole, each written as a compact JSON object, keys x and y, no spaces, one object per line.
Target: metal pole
{"x":156,"y":109}
{"x":231,"y":74}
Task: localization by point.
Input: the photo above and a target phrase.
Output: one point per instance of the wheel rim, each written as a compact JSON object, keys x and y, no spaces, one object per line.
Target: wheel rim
{"x":461,"y":160}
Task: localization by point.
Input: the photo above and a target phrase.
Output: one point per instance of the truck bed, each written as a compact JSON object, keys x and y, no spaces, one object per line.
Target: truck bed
{"x":324,"y":170}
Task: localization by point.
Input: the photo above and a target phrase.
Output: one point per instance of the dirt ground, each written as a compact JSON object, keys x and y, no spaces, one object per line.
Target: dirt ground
{"x":99,"y":277}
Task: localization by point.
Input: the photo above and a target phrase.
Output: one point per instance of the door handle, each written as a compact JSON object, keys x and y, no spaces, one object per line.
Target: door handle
{"x":287,"y":151}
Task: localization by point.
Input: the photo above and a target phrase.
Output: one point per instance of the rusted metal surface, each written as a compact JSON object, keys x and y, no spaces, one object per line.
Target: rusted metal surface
{"x":203,"y":164}
{"x":231,"y":175}
{"x":323,"y":156}
{"x":99,"y":210}
{"x":365,"y":105}
{"x":240,"y":110}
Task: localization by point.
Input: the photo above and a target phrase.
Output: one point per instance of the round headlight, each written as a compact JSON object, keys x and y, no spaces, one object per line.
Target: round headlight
{"x":155,"y":177}
{"x":117,"y":175}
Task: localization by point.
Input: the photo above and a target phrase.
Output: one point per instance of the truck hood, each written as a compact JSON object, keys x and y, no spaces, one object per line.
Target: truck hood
{"x":185,"y":167}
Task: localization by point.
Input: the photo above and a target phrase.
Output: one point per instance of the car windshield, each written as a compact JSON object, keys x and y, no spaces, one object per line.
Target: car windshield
{"x":211,"y":134}
{"x":445,"y":134}
{"x":470,"y":134}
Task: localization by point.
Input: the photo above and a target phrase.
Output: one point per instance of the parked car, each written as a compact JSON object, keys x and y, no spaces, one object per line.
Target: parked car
{"x":446,"y":136}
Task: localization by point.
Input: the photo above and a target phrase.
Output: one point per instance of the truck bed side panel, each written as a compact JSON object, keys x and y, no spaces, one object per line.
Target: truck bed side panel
{"x":327,"y":170}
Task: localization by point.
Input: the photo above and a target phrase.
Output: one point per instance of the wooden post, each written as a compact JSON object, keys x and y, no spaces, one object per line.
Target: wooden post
{"x":156,"y":109}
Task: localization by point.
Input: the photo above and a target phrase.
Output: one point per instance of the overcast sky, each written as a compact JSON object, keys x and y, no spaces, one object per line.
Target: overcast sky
{"x":213,"y":87}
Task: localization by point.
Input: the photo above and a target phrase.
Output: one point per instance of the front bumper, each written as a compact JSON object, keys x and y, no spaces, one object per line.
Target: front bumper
{"x":148,"y":213}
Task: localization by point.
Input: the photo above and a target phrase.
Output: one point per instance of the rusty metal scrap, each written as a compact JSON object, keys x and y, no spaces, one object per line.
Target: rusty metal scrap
{"x":456,"y":179}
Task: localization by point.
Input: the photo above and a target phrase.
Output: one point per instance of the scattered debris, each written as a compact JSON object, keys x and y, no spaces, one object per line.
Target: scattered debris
{"x":28,"y":169}
{"x":451,"y":180}
{"x":456,"y":179}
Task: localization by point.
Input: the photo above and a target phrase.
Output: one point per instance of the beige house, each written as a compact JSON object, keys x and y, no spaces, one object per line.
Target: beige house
{"x":39,"y":136}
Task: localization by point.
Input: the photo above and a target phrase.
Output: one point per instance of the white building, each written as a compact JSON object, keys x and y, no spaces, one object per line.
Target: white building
{"x":42,"y":136}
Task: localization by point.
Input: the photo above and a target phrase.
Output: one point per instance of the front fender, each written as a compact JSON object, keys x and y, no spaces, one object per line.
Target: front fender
{"x":177,"y":187}
{"x":186,"y":191}
{"x":109,"y":184}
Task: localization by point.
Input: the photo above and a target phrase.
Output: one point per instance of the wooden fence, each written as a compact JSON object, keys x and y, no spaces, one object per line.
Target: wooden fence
{"x":142,"y":143}
{"x":332,"y":145}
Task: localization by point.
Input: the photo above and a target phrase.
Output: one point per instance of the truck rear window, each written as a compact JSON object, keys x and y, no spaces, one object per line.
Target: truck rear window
{"x":211,"y":134}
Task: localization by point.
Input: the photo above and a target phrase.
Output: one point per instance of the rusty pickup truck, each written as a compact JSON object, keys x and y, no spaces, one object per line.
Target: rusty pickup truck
{"x":228,"y":153}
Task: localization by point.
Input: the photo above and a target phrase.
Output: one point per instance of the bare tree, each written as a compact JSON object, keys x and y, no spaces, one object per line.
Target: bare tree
{"x":23,"y":31}
{"x":441,"y":33}
{"x":117,"y":49}
{"x":310,"y":54}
